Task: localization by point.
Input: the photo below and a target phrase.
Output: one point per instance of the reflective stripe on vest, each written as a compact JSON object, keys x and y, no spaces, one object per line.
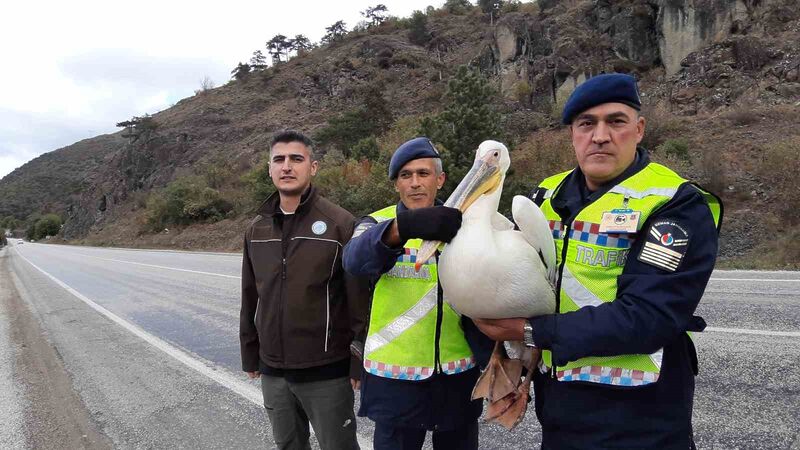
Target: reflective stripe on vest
{"x":401,"y":337}
{"x":594,"y":260}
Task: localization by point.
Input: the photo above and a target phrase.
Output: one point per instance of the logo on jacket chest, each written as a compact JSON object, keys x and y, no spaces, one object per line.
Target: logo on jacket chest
{"x":319,"y":228}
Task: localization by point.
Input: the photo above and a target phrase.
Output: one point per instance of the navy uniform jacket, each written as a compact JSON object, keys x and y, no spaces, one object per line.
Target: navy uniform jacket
{"x":654,"y":308}
{"x":441,"y":402}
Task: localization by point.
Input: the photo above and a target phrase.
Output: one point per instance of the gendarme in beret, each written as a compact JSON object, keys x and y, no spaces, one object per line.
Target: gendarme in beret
{"x":416,"y":148}
{"x":606,"y":88}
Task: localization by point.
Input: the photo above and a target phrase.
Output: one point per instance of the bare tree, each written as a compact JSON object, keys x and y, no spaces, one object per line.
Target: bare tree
{"x":206,"y":84}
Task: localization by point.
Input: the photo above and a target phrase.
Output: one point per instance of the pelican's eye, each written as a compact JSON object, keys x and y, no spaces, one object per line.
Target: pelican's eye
{"x":496,"y":154}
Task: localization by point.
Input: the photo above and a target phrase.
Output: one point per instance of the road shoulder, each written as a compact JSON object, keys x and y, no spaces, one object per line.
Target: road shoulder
{"x":54,"y":415}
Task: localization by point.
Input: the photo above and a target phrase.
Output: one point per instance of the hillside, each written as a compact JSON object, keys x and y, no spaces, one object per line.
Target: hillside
{"x":720,"y":80}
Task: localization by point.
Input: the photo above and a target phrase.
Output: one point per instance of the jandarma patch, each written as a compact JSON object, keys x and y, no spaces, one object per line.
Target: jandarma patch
{"x":665,"y":246}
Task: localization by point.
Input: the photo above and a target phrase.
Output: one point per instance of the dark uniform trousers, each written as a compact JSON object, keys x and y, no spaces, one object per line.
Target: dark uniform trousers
{"x":389,"y":437}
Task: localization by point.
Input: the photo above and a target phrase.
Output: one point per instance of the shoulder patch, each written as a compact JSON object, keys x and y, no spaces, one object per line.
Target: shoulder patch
{"x":362,"y":227}
{"x":665,"y":246}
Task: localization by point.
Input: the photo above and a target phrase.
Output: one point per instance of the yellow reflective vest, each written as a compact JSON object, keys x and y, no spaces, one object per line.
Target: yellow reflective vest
{"x":591,"y":261}
{"x":402,"y":335}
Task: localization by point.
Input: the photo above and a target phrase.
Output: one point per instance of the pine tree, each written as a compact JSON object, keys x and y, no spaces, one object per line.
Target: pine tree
{"x":418,"y":29}
{"x":241,"y":71}
{"x":467,"y":120}
{"x":376,"y":14}
{"x":335,"y":32}
{"x":301,"y":43}
{"x":491,"y":8}
{"x":278,"y":46}
{"x":457,"y":6}
{"x":258,"y":61}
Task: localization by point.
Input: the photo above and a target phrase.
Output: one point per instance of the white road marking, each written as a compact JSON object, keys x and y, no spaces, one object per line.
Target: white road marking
{"x":758,"y":332}
{"x":218,"y":374}
{"x":762,"y":280}
{"x":165,"y":267}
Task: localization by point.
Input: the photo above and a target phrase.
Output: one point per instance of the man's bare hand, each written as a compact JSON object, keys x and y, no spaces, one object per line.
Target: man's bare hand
{"x":253,"y":375}
{"x":356,"y":384}
{"x":502,"y":329}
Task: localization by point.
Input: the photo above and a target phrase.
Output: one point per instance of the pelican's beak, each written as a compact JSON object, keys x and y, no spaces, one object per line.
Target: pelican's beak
{"x":483,"y":178}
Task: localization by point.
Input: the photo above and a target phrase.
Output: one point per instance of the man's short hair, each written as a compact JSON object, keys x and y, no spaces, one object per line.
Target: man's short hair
{"x":287,"y":136}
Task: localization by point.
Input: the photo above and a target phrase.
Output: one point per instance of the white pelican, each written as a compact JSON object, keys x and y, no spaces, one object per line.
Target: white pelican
{"x":491,"y":271}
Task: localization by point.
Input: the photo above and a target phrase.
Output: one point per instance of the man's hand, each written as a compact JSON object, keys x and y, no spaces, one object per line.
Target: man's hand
{"x":437,"y":223}
{"x":356,"y":384}
{"x":502,"y":329}
{"x":253,"y":375}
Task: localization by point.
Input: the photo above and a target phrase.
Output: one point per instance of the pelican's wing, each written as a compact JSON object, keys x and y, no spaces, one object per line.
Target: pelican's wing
{"x":535,"y":229}
{"x":501,"y":223}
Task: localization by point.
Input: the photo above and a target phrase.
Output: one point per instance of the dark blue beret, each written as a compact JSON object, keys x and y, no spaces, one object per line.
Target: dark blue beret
{"x":416,"y":148}
{"x":606,"y":88}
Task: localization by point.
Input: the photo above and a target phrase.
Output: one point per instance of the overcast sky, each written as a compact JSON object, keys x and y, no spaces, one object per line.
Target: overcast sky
{"x":73,"y":69}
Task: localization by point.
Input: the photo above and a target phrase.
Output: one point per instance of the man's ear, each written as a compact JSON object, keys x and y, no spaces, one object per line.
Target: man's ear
{"x":314,"y":168}
{"x":640,"y":126}
{"x":440,"y":180}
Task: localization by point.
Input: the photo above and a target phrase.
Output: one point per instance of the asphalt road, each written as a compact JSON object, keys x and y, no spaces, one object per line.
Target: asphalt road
{"x":145,"y":345}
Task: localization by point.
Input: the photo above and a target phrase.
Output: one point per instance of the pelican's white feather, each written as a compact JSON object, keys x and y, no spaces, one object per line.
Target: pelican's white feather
{"x":490,"y":270}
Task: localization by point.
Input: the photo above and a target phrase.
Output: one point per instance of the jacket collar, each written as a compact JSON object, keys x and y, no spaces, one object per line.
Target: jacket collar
{"x":272,"y":205}
{"x":573,"y":193}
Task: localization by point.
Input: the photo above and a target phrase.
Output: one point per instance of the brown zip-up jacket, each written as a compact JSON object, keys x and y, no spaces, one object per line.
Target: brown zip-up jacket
{"x":300,"y":309}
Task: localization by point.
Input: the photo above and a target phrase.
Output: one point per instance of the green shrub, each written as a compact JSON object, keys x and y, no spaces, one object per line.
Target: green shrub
{"x":41,"y":227}
{"x":361,"y":187}
{"x":9,"y":223}
{"x":372,"y":117}
{"x":259,"y":182}
{"x":522,"y":91}
{"x":366,"y":148}
{"x":677,"y":148}
{"x":186,"y":200}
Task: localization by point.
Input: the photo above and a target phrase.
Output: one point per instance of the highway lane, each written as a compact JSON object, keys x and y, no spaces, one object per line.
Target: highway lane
{"x":747,"y":392}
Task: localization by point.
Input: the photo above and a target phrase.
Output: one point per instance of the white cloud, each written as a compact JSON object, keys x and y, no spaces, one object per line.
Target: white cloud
{"x":74,"y":69}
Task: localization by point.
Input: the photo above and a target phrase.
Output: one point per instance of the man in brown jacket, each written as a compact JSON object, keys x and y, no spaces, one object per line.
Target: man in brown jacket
{"x":300,"y":310}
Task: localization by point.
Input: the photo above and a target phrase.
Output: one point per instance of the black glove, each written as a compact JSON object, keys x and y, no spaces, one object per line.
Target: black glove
{"x":437,"y":223}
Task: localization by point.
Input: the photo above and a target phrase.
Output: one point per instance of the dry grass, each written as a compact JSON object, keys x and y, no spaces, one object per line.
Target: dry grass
{"x":742,"y":117}
{"x":781,"y":253}
{"x":781,"y":161}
